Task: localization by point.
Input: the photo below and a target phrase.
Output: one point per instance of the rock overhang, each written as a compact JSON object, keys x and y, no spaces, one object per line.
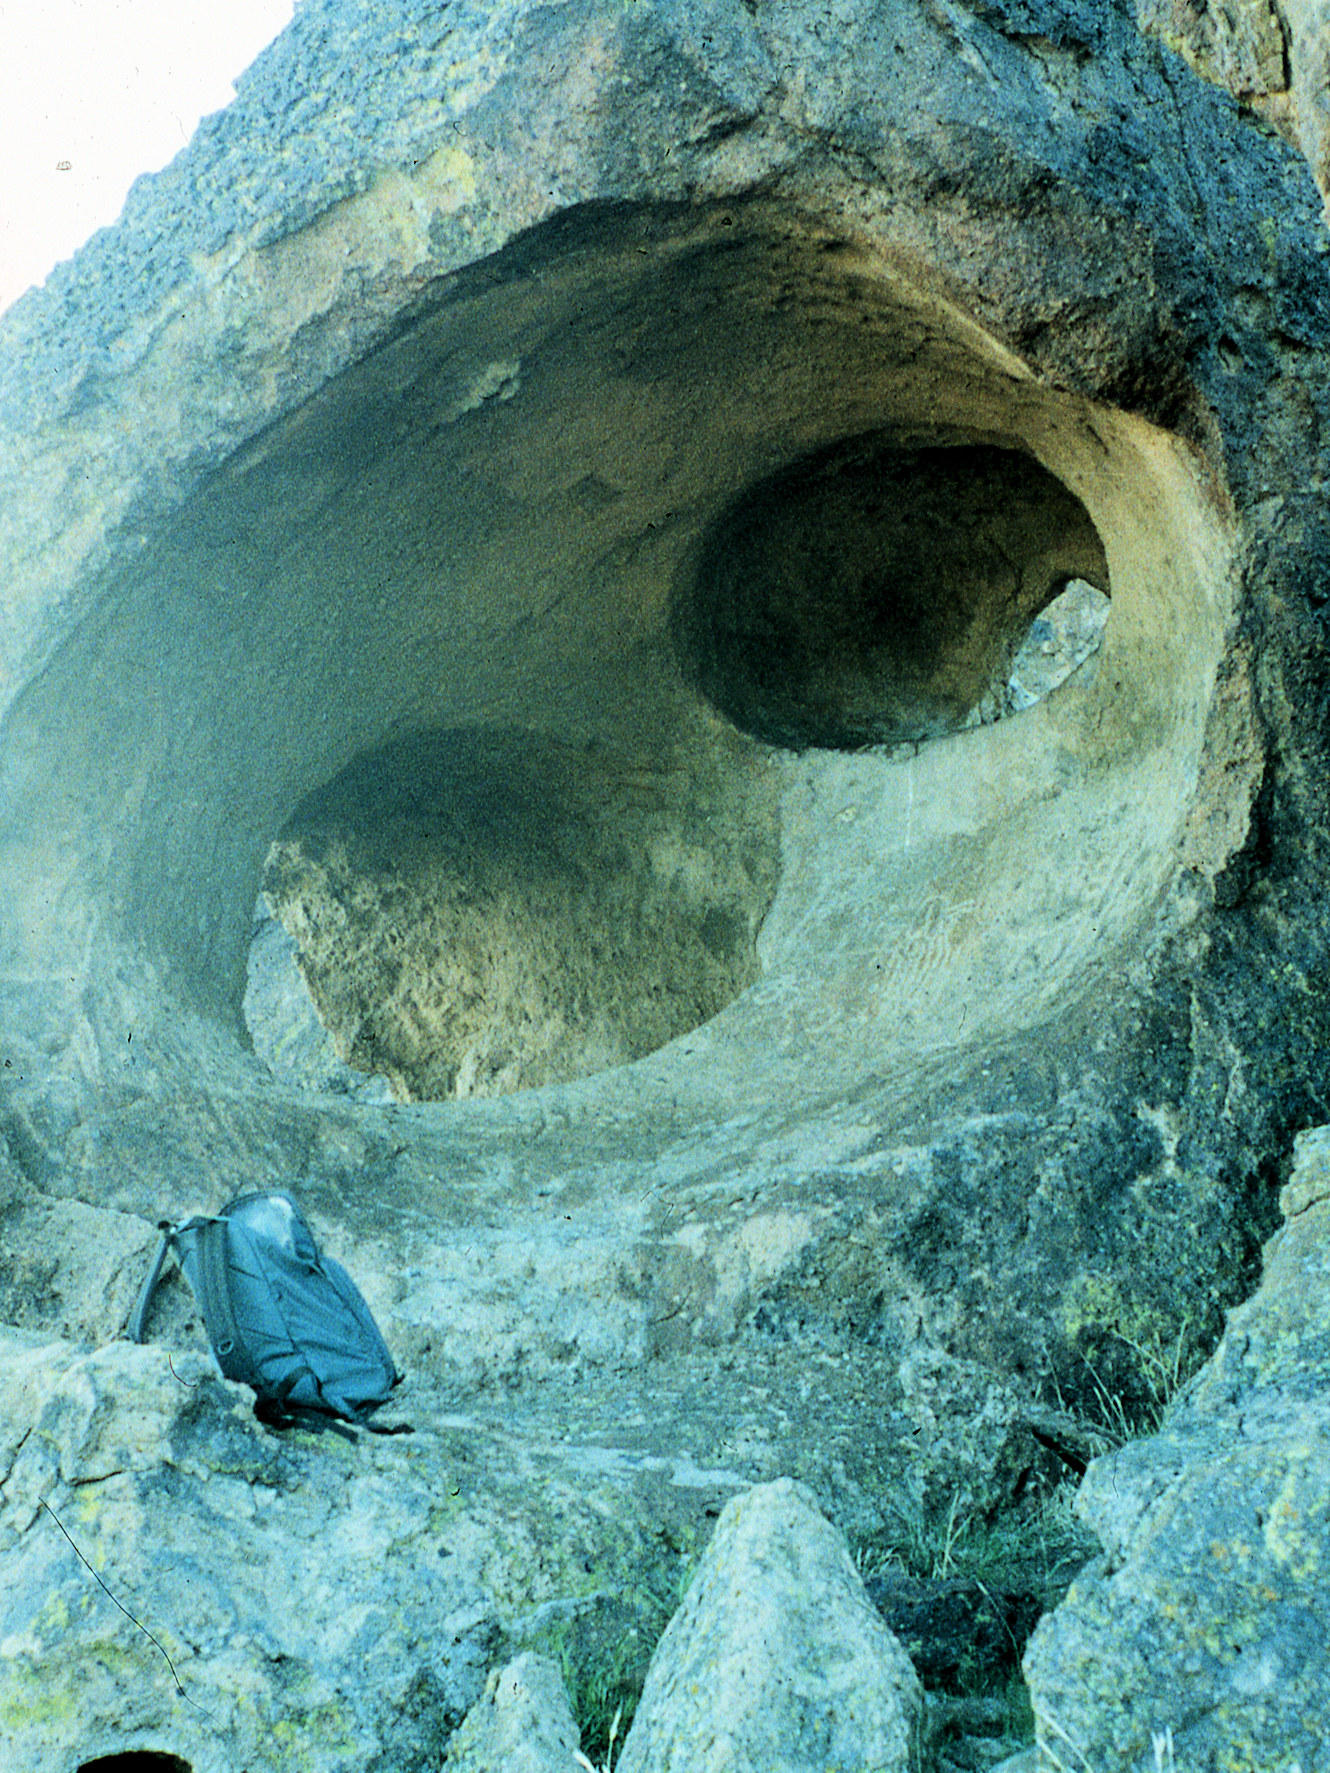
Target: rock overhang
{"x":486,"y":527}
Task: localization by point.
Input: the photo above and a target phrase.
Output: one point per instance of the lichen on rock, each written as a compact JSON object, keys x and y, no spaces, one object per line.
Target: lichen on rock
{"x":1206,"y":1615}
{"x":522,"y":1723}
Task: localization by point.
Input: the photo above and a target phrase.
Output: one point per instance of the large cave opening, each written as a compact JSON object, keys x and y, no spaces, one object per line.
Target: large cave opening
{"x":474,"y":912}
{"x":559,"y":676}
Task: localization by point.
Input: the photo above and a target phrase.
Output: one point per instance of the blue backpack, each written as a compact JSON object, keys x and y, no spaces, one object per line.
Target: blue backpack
{"x":281,"y":1318}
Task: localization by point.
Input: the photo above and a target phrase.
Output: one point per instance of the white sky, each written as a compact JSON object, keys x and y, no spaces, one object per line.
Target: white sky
{"x":94,"y":92}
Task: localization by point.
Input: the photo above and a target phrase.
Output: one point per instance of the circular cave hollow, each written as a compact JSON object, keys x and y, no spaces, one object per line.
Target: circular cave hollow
{"x":468,"y":913}
{"x":887,"y":590}
{"x":554,"y":679}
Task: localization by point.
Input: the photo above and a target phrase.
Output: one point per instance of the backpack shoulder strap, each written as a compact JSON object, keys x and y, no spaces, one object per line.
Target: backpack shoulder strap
{"x":140,"y":1313}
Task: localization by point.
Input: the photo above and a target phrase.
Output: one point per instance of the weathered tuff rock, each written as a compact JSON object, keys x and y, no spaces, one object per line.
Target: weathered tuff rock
{"x":554,"y":1517}
{"x":417,"y":446}
{"x":177,"y":1579}
{"x":776,"y":1662}
{"x":522,"y":1723}
{"x":420,"y":413}
{"x":1207,"y":1619}
{"x":336,"y":1604}
{"x":1272,"y":57}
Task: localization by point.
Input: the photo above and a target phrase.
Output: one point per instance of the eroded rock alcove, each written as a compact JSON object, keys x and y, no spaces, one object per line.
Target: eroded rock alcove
{"x":877,"y":593}
{"x":477,"y":912}
{"x":503,"y":532}
{"x":573,"y":532}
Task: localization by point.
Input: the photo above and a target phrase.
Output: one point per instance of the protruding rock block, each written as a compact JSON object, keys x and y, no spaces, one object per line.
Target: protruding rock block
{"x":1206,"y":1621}
{"x":777,"y":1661}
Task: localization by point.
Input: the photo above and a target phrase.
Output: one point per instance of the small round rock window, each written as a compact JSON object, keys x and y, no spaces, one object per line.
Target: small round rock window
{"x":883,"y":591}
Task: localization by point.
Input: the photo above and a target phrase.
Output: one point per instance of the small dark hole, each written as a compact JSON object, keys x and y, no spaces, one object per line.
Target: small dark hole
{"x":136,"y":1760}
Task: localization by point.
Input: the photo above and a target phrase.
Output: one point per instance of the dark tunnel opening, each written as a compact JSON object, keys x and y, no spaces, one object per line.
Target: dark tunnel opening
{"x":879,"y":590}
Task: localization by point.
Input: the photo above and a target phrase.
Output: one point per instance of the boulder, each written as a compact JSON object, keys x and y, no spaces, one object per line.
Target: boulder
{"x":776,"y":1662}
{"x":1205,"y":1623}
{"x":980,"y":1448}
{"x":177,"y":1579}
{"x":522,"y":1723}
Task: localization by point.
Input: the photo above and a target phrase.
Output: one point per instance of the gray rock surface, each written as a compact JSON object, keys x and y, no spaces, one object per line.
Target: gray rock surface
{"x":555,"y":1517}
{"x":522,"y":1723}
{"x":975,"y":1428}
{"x":67,"y":1270}
{"x":776,"y":1662}
{"x":284,"y":1023}
{"x":1206,"y":1622}
{"x":1062,"y":637}
{"x":410,"y":404}
{"x":1274,"y":58}
{"x":177,"y":1578}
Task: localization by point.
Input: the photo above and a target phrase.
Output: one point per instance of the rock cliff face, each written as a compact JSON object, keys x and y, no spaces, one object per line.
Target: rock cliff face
{"x":552,"y":494}
{"x":1274,"y":59}
{"x":1203,"y":1623}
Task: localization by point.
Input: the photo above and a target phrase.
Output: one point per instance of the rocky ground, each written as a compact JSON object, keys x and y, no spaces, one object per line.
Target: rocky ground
{"x":227,"y":1582}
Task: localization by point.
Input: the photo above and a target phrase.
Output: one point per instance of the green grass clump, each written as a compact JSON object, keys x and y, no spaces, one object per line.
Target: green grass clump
{"x":1041,"y":1545}
{"x":1163,"y":1367}
{"x":604,"y":1693}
